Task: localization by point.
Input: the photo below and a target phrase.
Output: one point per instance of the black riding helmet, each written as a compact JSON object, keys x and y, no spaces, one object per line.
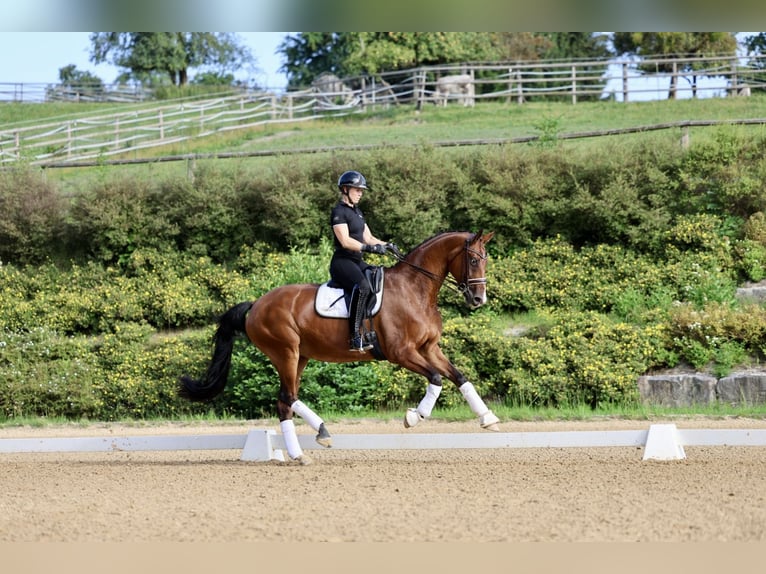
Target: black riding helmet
{"x":352,"y":179}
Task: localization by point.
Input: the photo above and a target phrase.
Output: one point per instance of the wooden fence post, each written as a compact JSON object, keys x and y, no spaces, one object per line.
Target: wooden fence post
{"x":625,"y":82}
{"x":519,"y":88}
{"x":574,"y":85}
{"x":674,"y":82}
{"x":69,"y":139}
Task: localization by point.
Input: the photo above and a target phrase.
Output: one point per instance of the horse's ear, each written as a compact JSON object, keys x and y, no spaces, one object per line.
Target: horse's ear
{"x":487,"y":237}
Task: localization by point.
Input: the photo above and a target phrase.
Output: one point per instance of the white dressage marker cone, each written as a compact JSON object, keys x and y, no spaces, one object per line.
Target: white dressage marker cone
{"x":663,"y":443}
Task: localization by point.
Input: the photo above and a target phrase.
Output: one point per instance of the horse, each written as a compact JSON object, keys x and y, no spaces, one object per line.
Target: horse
{"x":459,"y":85}
{"x":284,"y":325}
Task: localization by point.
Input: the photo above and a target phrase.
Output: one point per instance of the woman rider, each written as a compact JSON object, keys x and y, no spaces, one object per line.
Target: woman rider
{"x":352,"y":237}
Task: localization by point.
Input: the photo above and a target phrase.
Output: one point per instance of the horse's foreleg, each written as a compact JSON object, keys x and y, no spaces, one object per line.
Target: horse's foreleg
{"x":487,"y":419}
{"x":431,"y":364}
{"x":426,"y":405}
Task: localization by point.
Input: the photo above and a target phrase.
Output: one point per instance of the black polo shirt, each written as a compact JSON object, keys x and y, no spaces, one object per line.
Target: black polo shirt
{"x":354,"y":218}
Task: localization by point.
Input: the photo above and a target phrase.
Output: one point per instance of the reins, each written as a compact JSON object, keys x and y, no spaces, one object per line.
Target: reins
{"x":459,"y":286}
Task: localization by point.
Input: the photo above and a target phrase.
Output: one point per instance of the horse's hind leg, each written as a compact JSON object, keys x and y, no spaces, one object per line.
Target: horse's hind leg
{"x":314,"y":420}
{"x":288,"y":404}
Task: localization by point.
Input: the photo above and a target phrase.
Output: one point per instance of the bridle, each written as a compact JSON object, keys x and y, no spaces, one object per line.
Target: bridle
{"x":472,"y":258}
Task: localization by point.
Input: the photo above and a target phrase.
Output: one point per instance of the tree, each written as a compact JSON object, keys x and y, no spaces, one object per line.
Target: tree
{"x":309,"y":54}
{"x":674,"y":46}
{"x":75,"y":84}
{"x":71,"y":76}
{"x":169,"y":54}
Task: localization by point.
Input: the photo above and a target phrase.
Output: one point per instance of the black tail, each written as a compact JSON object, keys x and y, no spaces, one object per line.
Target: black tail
{"x":229,"y":324}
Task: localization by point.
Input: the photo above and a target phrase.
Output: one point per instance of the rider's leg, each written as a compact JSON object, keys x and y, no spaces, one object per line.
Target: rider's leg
{"x":357,"y":307}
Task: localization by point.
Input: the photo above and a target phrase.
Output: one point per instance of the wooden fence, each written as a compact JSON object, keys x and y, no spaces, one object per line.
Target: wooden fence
{"x":131,"y":127}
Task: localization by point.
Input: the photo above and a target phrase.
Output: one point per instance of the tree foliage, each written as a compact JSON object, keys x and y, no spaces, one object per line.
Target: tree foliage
{"x":70,"y":76}
{"x":168,"y":56}
{"x":308,"y":54}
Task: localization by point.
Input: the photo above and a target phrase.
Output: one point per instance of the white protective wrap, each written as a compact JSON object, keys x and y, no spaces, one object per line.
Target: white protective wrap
{"x":294,"y":449}
{"x":303,"y":411}
{"x":426,"y":405}
{"x":474,"y":400}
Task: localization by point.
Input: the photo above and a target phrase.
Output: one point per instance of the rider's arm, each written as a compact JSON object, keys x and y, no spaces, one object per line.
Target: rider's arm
{"x":346,"y":241}
{"x":369,"y":238}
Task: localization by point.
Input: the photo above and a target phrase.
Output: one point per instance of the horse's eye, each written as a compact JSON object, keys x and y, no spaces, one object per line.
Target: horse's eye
{"x":474,"y":261}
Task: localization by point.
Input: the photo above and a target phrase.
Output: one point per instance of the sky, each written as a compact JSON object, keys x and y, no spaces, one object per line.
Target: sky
{"x":45,"y":52}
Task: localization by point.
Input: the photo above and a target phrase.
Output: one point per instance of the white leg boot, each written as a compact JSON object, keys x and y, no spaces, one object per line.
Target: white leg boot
{"x":487,"y":418}
{"x":294,"y":450}
{"x":424,"y":408}
{"x":315,"y":422}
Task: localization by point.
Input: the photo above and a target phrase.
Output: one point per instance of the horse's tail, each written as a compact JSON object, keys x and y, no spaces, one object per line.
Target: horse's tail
{"x":230,"y":324}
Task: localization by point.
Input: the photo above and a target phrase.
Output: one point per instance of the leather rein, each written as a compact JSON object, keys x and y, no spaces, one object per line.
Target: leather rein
{"x":463,"y":286}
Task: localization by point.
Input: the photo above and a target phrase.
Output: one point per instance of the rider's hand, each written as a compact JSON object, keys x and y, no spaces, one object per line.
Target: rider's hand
{"x":393,"y":249}
{"x":378,"y":249}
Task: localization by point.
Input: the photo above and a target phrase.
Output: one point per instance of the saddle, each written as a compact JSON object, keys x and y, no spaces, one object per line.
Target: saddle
{"x":332,"y":301}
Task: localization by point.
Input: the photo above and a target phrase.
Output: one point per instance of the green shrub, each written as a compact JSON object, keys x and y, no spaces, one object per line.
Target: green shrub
{"x":45,"y":374}
{"x":32,"y":217}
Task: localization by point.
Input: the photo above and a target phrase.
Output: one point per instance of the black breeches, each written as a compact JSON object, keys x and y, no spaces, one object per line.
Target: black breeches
{"x":347,"y":273}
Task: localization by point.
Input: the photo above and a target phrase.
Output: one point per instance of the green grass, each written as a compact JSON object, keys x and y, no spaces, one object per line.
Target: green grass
{"x":405,"y":125}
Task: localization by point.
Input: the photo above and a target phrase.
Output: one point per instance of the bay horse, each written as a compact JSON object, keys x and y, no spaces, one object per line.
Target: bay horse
{"x":285,"y":326}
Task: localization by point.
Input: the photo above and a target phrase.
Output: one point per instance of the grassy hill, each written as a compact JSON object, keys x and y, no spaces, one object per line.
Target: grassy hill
{"x":406,"y":126}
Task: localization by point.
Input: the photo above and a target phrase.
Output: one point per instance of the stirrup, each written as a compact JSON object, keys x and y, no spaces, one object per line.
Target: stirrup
{"x":359,"y":346}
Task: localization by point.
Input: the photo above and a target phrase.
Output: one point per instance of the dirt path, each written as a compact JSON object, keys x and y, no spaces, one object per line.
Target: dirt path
{"x":584,"y":494}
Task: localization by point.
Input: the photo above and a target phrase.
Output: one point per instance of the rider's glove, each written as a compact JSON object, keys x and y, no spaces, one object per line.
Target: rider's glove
{"x":377,"y":248}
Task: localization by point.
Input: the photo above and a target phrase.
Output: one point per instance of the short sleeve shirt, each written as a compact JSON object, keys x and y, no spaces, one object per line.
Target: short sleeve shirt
{"x":354,"y":219}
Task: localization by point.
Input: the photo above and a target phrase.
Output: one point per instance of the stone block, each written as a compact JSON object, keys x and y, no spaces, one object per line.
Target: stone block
{"x":742,"y":388}
{"x":677,"y":390}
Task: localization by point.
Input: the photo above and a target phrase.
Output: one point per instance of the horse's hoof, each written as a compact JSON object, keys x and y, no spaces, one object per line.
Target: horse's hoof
{"x":489,"y":422}
{"x":411,"y":418}
{"x":303,"y":460}
{"x":323,"y":437}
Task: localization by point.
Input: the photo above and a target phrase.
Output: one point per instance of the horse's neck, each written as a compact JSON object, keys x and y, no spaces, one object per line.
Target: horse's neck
{"x":436,"y":267}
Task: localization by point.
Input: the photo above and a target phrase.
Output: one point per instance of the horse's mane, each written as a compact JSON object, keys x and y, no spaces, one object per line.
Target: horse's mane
{"x":434,"y":238}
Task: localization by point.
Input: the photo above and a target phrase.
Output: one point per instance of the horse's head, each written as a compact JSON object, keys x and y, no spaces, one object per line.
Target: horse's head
{"x":469,"y":268}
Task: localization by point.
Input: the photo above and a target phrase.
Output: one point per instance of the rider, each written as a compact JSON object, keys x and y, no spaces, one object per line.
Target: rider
{"x":352,"y":237}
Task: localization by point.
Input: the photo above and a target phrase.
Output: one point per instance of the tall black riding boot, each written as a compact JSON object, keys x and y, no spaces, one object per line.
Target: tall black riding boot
{"x":355,"y":316}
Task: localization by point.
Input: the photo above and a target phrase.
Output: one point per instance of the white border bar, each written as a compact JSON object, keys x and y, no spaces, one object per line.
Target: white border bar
{"x":661,"y":441}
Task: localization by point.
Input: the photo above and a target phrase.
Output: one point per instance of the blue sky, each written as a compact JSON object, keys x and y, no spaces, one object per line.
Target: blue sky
{"x":35,"y":57}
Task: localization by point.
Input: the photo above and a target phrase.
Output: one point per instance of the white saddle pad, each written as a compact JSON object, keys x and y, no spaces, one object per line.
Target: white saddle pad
{"x":330,"y":302}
